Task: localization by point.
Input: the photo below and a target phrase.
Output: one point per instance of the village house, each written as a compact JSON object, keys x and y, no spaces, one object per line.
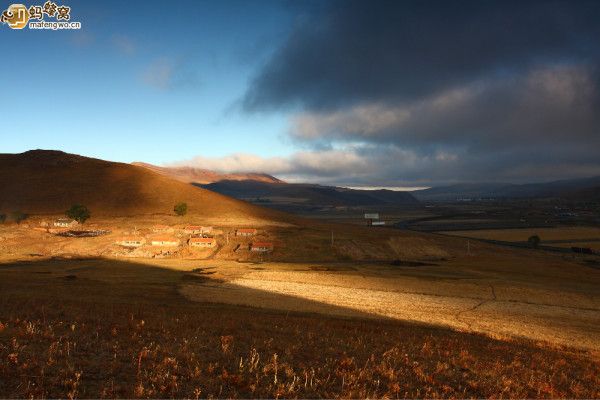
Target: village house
{"x":164,"y":241}
{"x":197,"y":229}
{"x":130,"y":241}
{"x":202,"y":242}
{"x":245,"y":232}
{"x":65,"y":223}
{"x":261,"y":247}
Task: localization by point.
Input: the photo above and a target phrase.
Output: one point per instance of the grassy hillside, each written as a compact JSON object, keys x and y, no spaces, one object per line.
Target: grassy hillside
{"x":51,"y":181}
{"x":106,"y":329}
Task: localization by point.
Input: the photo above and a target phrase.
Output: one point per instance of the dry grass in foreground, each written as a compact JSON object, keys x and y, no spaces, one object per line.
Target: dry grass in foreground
{"x":63,"y":348}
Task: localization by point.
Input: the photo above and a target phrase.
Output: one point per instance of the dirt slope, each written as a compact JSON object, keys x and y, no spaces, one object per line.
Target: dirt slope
{"x":205,"y":176}
{"x":44,"y":181}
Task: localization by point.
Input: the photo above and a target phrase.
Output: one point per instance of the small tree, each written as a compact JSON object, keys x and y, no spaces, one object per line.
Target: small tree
{"x":18,"y":216}
{"x":78,"y":212}
{"x":180,"y":209}
{"x":534,"y":241}
{"x":2,"y":218}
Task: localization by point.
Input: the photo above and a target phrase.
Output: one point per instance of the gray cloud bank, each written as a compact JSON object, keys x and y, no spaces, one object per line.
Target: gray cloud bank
{"x":429,"y":92}
{"x":359,"y":51}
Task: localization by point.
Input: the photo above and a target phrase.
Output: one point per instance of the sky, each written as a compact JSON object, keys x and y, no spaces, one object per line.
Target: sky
{"x":353,"y":93}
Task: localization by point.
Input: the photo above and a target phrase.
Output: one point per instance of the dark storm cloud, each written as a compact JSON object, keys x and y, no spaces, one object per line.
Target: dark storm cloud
{"x":550,"y":104}
{"x":396,"y":50}
{"x":466,"y":90}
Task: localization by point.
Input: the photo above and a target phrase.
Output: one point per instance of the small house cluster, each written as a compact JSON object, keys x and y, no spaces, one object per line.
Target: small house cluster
{"x":195,"y":236}
{"x":198,"y":236}
{"x":261,"y":247}
{"x":256,"y":247}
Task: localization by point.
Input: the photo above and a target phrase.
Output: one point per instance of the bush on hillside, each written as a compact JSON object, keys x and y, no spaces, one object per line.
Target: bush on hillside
{"x":79,"y":213}
{"x":180,"y":209}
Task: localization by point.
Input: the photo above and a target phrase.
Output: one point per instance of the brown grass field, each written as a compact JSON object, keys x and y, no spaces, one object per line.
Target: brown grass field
{"x":564,"y":236}
{"x":109,"y":328}
{"x":521,"y":235}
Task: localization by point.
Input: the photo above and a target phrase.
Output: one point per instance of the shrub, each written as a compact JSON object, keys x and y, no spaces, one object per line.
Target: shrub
{"x":180,"y":209}
{"x":534,"y":241}
{"x":2,"y":218}
{"x":18,"y":216}
{"x":78,"y":212}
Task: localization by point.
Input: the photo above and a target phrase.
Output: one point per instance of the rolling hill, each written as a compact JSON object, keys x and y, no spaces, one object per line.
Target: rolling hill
{"x":269,"y":191}
{"x":205,"y":176}
{"x":45,"y":181}
{"x":308,"y":194}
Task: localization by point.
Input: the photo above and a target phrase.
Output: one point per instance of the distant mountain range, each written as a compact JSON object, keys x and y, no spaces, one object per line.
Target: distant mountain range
{"x":267,"y":190}
{"x":204,"y":176}
{"x":308,"y":194}
{"x":576,"y":189}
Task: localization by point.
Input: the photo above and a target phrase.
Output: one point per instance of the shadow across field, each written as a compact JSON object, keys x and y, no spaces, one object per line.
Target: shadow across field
{"x":109,"y":328}
{"x":114,"y":281}
{"x":435,"y":297}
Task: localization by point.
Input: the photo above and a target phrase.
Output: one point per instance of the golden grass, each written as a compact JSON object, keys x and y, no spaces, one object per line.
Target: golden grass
{"x":102,"y":328}
{"x":500,"y":308}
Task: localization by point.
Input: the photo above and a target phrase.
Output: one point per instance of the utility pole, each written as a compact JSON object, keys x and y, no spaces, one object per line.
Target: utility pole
{"x":468,"y":247}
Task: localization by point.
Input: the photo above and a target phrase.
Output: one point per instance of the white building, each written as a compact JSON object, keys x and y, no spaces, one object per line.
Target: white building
{"x":130,"y":241}
{"x":164,"y":241}
{"x":65,"y":223}
{"x":202,"y":242}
